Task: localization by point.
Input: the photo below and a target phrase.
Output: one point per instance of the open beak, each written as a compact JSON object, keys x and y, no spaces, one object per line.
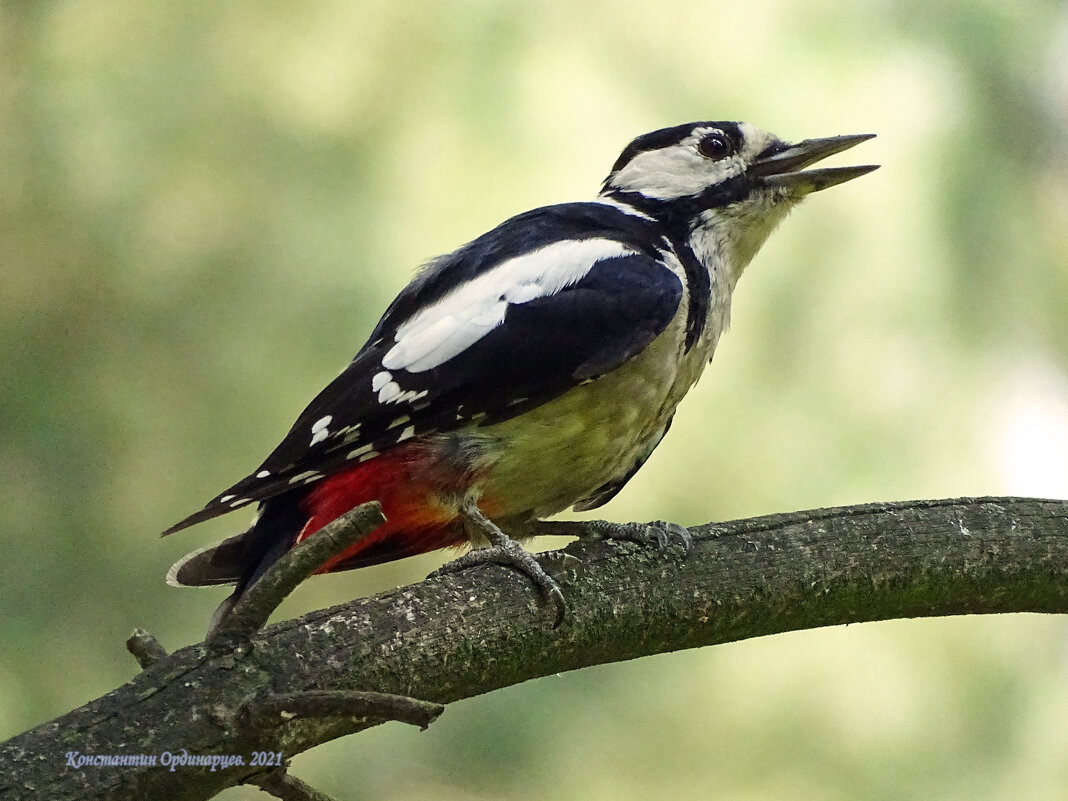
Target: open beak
{"x":783,"y":168}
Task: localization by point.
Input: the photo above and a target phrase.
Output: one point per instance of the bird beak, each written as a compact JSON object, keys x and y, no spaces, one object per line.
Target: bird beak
{"x":783,"y":168}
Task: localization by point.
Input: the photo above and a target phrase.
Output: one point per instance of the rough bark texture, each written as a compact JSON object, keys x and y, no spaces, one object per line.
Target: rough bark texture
{"x":464,"y":634}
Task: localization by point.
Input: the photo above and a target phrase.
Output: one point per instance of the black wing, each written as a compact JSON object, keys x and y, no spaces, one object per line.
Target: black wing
{"x":464,"y":346}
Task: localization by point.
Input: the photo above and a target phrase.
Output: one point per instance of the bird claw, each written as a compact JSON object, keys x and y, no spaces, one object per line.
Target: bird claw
{"x":670,"y":531}
{"x":556,"y":599}
{"x":506,"y":551}
{"x":562,"y":560}
{"x":512,"y":554}
{"x":659,"y":532}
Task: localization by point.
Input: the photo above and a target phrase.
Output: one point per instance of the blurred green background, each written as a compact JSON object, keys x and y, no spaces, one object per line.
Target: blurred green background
{"x":204,"y":207}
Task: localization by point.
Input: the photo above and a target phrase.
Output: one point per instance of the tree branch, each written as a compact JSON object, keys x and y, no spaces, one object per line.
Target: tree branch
{"x":146,"y":649}
{"x":463,"y":634}
{"x":270,"y":709}
{"x":251,"y":612}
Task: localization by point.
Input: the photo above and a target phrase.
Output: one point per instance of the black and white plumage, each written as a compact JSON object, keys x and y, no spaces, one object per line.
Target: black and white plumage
{"x":536,"y":367}
{"x":582,"y":293}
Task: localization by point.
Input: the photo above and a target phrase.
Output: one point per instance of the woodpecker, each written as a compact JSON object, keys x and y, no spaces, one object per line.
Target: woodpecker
{"x":533,"y":369}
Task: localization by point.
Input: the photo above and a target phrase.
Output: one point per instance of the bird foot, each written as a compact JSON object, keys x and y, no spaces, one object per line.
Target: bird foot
{"x":659,"y":533}
{"x":503,"y":550}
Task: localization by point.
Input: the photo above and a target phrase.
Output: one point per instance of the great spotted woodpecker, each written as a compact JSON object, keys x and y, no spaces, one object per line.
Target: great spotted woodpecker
{"x":531,"y":370}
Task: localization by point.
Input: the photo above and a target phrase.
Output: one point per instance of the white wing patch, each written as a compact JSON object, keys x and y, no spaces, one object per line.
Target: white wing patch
{"x":306,"y":477}
{"x":319,"y":429}
{"x":461,"y":318}
{"x":389,"y":391}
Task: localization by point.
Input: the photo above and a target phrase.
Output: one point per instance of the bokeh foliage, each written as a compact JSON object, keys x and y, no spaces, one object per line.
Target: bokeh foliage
{"x":204,"y":207}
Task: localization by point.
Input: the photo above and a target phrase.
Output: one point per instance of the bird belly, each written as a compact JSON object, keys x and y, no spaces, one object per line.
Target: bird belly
{"x":550,"y":457}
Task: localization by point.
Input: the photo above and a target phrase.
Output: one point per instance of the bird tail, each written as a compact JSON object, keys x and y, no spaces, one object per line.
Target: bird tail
{"x":413,"y":526}
{"x":215,"y":564}
{"x":242,"y":558}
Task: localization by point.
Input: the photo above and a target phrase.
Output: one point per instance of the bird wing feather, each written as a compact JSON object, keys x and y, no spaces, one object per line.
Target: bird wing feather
{"x":463,"y":346}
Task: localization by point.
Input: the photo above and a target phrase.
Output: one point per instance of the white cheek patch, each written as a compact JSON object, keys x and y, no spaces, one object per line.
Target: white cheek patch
{"x":675,"y":172}
{"x":465,"y":315}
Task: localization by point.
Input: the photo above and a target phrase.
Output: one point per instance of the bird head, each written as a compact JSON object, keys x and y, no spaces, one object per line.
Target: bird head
{"x":724,"y":185}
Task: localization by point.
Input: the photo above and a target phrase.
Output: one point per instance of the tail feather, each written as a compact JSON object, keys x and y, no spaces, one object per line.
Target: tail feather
{"x":220,"y":563}
{"x":414,"y":525}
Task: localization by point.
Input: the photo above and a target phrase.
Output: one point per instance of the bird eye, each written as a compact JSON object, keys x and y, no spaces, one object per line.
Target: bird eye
{"x":715,"y":146}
